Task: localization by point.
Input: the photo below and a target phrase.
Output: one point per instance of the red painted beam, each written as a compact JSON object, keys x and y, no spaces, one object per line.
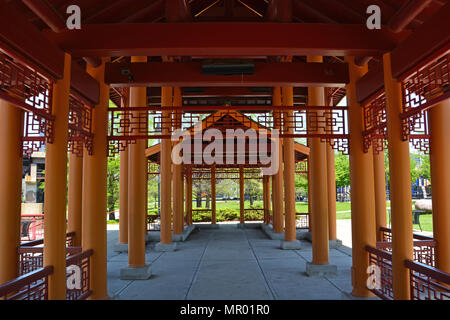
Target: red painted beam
{"x":239,"y":92}
{"x":178,"y":11}
{"x":84,"y":86}
{"x":369,"y":84}
{"x":192,"y":39}
{"x":22,"y":41}
{"x":47,"y":13}
{"x":430,"y":37}
{"x":189,"y":75}
{"x":407,"y":13}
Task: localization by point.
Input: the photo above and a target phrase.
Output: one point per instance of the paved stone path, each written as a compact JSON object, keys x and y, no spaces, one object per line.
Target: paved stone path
{"x":229,"y":263}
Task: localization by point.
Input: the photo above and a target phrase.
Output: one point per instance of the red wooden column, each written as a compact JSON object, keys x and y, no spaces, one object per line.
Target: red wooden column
{"x":266,"y":197}
{"x":95,"y":189}
{"x":213,"y":194}
{"x":166,"y":243}
{"x":241,"y":196}
{"x":11,"y":132}
{"x":188,"y":196}
{"x":439,"y":118}
{"x":137,"y":197}
{"x":123,"y":189}
{"x":319,"y":190}
{"x":362,"y":187}
{"x":331,"y":190}
{"x":56,"y":188}
{"x":290,"y":233}
{"x":277,"y":179}
{"x":379,"y":174}
{"x":177,"y":178}
{"x":75,"y":197}
{"x":400,"y":185}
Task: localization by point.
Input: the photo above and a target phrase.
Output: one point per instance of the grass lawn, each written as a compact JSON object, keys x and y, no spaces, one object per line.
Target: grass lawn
{"x":343,"y":211}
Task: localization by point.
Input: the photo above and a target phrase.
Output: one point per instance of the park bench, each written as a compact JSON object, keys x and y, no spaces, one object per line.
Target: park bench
{"x":415,"y":216}
{"x":25,"y":229}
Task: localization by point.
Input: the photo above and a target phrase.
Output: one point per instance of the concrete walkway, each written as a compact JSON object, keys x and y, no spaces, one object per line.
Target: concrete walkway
{"x":229,"y":263}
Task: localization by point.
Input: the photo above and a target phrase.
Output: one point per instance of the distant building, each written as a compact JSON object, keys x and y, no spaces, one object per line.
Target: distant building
{"x":33,"y":178}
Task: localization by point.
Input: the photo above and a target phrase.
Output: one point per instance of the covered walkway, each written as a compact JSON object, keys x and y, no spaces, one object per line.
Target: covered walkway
{"x":229,"y":263}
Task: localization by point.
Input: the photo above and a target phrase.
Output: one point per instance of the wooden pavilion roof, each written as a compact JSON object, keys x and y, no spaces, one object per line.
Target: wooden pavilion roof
{"x":151,"y":11}
{"x":116,"y":21}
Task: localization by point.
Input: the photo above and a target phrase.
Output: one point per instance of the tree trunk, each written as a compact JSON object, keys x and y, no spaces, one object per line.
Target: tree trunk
{"x":251,"y":199}
{"x":208,"y":198}
{"x":199,"y":198}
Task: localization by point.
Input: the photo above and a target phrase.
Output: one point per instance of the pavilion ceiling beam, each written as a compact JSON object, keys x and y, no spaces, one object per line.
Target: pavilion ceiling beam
{"x":400,"y":20}
{"x":22,"y":41}
{"x":220,"y":92}
{"x":85,"y":87}
{"x":407,"y":13}
{"x":188,"y":39}
{"x":81,"y":82}
{"x":306,"y":12}
{"x":106,"y":13}
{"x":433,"y":36}
{"x":151,"y":10}
{"x":47,"y":13}
{"x":178,"y":11}
{"x":348,"y":13}
{"x":189,"y":75}
{"x":51,"y":17}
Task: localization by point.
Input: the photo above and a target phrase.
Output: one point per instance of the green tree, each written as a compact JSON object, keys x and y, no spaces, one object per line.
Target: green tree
{"x":253,"y":188}
{"x":113,"y":183}
{"x":301,"y":183}
{"x":342,"y":167}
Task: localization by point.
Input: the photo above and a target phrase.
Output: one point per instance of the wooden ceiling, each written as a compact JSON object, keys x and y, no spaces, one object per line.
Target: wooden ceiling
{"x":158,"y":11}
{"x":303,"y":11}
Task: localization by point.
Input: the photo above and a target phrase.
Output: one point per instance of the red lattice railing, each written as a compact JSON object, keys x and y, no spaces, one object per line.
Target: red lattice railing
{"x":302,"y":221}
{"x":153,"y":222}
{"x":32,"y":92}
{"x":301,"y":167}
{"x":270,"y":217}
{"x":375,"y":123}
{"x":386,"y":234}
{"x":83,"y":261}
{"x":32,"y":286}
{"x":80,"y":126}
{"x":32,"y":258}
{"x":222,"y":173}
{"x":38,"y":242}
{"x":428,"y":283}
{"x":383,"y":260}
{"x":427,"y":85}
{"x":424,"y":87}
{"x":424,"y":247}
{"x":130,"y":124}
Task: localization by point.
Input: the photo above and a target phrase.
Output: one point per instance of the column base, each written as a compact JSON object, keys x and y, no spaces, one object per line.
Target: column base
{"x":350,"y":296}
{"x":291,"y":245}
{"x":333,"y":244}
{"x":166,"y":247}
{"x":321,"y":270}
{"x":155,"y":236}
{"x":206,"y":226}
{"x":114,"y":296}
{"x":268,"y":230}
{"x":121,"y":247}
{"x":141,"y":273}
{"x":304,"y":235}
